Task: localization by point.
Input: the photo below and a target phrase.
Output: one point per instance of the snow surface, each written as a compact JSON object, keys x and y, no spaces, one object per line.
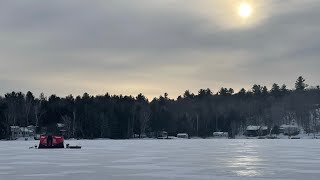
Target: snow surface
{"x":196,"y":159}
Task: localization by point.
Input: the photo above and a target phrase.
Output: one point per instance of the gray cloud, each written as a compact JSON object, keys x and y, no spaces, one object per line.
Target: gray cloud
{"x":153,"y":47}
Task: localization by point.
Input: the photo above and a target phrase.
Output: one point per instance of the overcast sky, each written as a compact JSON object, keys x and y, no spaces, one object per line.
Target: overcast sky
{"x":155,"y":46}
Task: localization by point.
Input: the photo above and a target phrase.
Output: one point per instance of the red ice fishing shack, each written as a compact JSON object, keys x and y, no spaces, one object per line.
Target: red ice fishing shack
{"x":52,"y":138}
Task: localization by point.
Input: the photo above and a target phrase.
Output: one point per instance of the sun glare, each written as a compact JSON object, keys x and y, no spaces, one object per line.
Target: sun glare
{"x":245,"y":10}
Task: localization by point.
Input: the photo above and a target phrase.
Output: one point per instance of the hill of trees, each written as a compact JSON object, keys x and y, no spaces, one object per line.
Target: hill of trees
{"x":119,"y":117}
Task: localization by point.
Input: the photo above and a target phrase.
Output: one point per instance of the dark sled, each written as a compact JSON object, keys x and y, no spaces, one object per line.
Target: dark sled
{"x":72,"y":147}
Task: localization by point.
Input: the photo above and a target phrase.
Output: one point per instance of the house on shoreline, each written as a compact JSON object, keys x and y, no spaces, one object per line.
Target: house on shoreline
{"x":18,"y":132}
{"x":291,"y":129}
{"x":255,"y":131}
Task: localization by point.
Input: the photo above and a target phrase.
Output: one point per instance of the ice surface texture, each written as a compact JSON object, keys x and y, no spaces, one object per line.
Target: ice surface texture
{"x":163,"y":159}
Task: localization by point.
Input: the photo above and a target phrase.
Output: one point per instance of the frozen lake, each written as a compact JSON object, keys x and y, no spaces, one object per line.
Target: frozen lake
{"x":163,"y":159}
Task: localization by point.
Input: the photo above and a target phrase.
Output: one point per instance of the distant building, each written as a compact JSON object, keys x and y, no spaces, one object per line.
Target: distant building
{"x":254,"y":131}
{"x":183,"y":135}
{"x":162,"y":135}
{"x":220,"y":134}
{"x":140,"y":136}
{"x":14,"y":131}
{"x":264,"y":130}
{"x":32,"y":128}
{"x":17,"y":132}
{"x":290,"y":129}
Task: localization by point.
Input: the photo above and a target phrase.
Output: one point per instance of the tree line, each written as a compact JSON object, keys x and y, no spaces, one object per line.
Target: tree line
{"x":121,"y":117}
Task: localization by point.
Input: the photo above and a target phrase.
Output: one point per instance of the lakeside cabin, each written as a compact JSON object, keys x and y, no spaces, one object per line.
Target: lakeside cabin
{"x":252,"y":131}
{"x":18,"y":132}
{"x":221,"y":135}
{"x":289,"y":130}
{"x":183,"y":135}
{"x":255,"y":131}
{"x":162,"y":135}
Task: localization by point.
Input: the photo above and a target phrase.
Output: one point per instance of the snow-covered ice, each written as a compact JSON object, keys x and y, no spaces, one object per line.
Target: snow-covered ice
{"x":164,"y":159}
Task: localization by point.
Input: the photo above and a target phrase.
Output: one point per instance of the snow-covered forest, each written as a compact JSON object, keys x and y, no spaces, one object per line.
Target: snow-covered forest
{"x":199,"y":114}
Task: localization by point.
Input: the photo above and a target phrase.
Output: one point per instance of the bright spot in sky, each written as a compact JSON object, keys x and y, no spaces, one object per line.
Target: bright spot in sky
{"x":245,"y":10}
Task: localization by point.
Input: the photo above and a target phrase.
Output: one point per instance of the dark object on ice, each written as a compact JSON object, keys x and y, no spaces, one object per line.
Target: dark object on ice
{"x":295,"y":138}
{"x":72,"y":147}
{"x":51,"y":142}
{"x":33,"y":147}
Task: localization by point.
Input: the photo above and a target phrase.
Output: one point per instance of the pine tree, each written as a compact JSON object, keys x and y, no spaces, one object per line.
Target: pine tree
{"x":242,"y":92}
{"x":275,"y":90}
{"x":188,"y":94}
{"x":223,"y":92}
{"x":231,"y":91}
{"x":284,"y":89}
{"x":265,"y":91}
{"x":300,"y":85}
{"x":257,"y":90}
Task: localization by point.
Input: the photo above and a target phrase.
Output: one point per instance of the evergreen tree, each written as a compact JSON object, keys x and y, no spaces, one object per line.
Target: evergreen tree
{"x":275,"y":90}
{"x":265,"y":91}
{"x":188,"y":94}
{"x":223,"y":92}
{"x":300,"y":85}
{"x":226,"y":92}
{"x":230,"y":91}
{"x":242,"y":92}
{"x":284,"y":89}
{"x":257,"y":90}
{"x":204,"y":93}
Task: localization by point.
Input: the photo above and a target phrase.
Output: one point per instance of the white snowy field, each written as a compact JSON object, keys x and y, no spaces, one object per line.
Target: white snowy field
{"x":163,"y":159}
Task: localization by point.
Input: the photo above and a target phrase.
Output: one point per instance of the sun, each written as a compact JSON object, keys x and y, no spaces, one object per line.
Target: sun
{"x":245,"y":10}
